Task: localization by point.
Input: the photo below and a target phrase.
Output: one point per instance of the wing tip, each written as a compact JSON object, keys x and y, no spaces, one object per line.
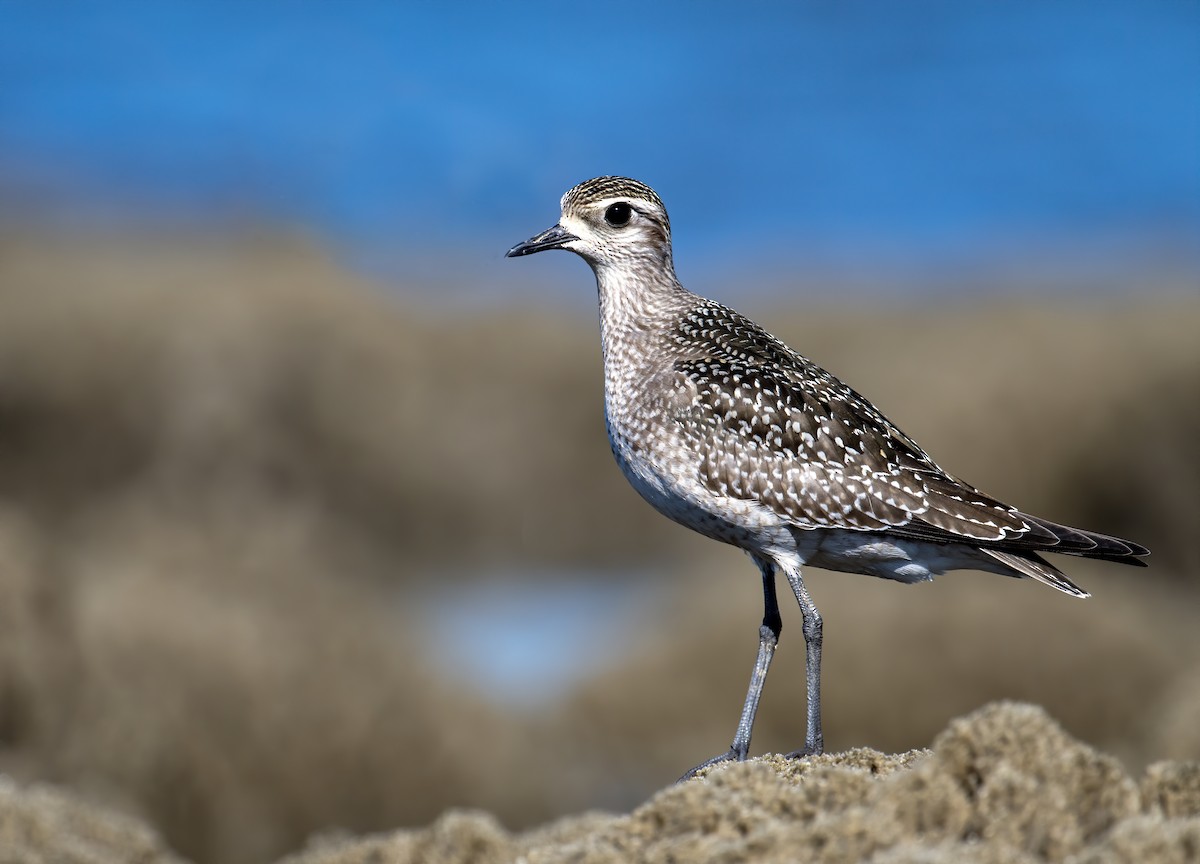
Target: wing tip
{"x":1091,"y":544}
{"x":1031,"y":565}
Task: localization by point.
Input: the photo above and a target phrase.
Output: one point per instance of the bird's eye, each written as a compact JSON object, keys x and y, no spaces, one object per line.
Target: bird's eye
{"x":618,"y":215}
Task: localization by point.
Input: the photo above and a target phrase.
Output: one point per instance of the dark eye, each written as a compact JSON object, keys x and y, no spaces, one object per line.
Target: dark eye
{"x":618,"y":215}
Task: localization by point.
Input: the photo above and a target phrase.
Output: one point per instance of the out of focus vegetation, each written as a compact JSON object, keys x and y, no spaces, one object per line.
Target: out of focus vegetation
{"x":230,"y":472}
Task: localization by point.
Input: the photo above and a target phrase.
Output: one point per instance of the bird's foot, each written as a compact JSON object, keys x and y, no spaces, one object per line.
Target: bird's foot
{"x":808,"y":750}
{"x":730,"y":755}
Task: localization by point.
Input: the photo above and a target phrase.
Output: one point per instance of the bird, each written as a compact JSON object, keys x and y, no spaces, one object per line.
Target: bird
{"x":726,"y":430}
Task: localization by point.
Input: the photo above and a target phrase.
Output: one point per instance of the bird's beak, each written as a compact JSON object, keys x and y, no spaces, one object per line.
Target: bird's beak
{"x":551,"y":238}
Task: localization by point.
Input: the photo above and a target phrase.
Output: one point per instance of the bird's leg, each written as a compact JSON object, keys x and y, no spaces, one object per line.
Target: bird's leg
{"x":768,"y":638}
{"x":814,"y":741}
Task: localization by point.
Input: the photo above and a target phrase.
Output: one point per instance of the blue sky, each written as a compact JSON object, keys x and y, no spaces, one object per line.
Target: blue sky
{"x":790,"y":136}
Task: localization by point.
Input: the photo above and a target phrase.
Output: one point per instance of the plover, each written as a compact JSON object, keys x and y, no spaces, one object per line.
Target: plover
{"x":725,"y":429}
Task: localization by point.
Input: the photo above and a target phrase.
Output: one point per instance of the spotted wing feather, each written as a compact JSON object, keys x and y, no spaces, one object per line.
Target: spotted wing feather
{"x":776,"y":428}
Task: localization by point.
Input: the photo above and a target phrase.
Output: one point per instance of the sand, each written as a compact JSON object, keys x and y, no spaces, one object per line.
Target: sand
{"x":1003,"y":784}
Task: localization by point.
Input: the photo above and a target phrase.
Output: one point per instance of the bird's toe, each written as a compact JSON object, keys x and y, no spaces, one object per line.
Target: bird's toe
{"x":730,"y":755}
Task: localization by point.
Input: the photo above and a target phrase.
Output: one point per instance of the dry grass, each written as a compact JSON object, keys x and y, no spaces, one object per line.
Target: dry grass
{"x":226,"y":468}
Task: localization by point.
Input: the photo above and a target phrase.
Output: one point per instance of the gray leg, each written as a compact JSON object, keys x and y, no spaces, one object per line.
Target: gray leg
{"x":814,"y":741}
{"x":768,"y":638}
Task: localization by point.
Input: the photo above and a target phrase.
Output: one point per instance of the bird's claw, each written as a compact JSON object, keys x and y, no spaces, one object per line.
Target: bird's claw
{"x":730,"y":755}
{"x":803,"y":752}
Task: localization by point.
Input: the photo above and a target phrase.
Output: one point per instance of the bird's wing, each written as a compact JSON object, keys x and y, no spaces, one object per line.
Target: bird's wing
{"x":774,"y":427}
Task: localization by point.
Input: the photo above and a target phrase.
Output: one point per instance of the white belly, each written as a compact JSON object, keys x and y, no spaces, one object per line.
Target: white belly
{"x":674,"y":489}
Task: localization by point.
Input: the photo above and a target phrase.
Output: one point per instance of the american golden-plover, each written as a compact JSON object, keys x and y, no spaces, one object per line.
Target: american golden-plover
{"x":724,"y":429}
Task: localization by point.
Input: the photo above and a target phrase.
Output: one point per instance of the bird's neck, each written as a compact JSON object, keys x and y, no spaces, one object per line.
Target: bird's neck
{"x":637,"y":312}
{"x":639,"y":299}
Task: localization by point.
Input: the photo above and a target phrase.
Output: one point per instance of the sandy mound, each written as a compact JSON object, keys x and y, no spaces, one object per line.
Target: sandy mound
{"x":39,"y":824}
{"x":1003,"y":784}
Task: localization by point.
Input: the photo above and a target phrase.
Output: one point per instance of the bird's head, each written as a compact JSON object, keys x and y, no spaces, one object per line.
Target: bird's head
{"x":613,"y":223}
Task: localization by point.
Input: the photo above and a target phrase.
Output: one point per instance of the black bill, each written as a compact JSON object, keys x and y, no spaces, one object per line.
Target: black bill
{"x":551,"y":238}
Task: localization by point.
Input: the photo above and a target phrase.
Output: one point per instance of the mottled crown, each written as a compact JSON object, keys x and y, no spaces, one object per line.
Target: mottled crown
{"x":603,"y":188}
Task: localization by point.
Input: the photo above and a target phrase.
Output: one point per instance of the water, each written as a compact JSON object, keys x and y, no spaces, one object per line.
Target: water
{"x":523,"y":641}
{"x":795,"y":135}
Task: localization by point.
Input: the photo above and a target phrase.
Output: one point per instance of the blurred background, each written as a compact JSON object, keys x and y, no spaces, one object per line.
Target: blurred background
{"x":307,"y":517}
